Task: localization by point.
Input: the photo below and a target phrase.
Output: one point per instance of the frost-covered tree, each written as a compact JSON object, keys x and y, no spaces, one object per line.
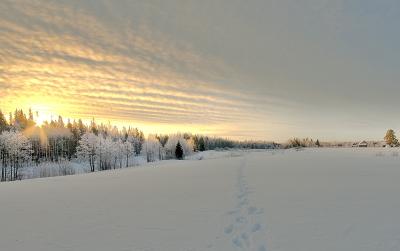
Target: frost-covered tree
{"x":390,"y":138}
{"x":119,"y":154}
{"x":88,"y":148}
{"x":139,"y":141}
{"x":111,"y":152}
{"x":102,"y":151}
{"x":297,"y":142}
{"x":152,"y":149}
{"x":128,"y":149}
{"x":163,"y":139}
{"x":15,"y":149}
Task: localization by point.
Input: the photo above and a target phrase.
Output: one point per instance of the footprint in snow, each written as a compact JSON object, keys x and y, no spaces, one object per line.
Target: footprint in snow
{"x":229,"y":229}
{"x":256,"y":227}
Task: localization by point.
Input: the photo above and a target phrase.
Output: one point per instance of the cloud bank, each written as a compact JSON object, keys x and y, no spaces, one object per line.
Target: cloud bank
{"x":263,"y":69}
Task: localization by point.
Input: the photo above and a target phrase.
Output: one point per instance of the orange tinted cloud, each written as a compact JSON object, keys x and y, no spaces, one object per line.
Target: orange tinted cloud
{"x":72,"y":63}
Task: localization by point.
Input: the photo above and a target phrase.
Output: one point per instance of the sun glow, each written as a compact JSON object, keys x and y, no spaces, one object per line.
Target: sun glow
{"x":43,"y":108}
{"x":42,"y":113}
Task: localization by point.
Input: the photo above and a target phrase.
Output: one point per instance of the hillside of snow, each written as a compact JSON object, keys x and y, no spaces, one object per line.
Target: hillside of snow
{"x":282,"y":200}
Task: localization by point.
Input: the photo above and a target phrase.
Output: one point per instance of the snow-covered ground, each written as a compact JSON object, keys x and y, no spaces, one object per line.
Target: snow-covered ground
{"x":314,"y":199}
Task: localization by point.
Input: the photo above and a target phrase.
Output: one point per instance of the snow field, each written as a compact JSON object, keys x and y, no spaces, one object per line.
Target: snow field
{"x":314,"y":199}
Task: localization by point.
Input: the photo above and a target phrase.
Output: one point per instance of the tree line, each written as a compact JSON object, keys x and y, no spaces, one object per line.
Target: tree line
{"x":23,"y":142}
{"x":390,"y":140}
{"x":101,"y":146}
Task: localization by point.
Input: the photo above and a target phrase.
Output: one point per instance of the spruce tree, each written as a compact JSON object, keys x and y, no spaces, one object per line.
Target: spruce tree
{"x":3,"y":122}
{"x":179,"y":151}
{"x":31,"y":122}
{"x":81,"y":128}
{"x":202,"y":145}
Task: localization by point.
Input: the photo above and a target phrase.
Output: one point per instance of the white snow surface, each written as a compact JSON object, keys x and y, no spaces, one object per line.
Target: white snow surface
{"x":281,"y":200}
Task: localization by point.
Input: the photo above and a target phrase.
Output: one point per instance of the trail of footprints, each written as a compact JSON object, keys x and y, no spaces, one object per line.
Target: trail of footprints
{"x":245,"y":229}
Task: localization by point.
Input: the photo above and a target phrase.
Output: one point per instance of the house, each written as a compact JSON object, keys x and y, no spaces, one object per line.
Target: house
{"x":363,"y":144}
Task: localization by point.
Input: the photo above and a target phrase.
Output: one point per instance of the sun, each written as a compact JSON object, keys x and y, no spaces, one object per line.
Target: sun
{"x":42,"y":113}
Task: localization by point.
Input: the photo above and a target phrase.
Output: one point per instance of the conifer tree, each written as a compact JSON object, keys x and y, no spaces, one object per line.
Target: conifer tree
{"x":81,"y":127}
{"x":202,"y":145}
{"x":179,"y":151}
{"x":3,"y":122}
{"x":93,"y":127}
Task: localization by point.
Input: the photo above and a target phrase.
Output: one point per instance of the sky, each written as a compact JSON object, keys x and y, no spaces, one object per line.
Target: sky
{"x":260,"y":69}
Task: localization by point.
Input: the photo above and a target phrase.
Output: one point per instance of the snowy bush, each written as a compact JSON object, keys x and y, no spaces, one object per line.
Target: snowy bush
{"x":52,"y":169}
{"x":55,"y":169}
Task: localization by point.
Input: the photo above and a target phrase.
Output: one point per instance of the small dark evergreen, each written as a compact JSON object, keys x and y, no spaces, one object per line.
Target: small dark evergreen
{"x":202,"y":145}
{"x":179,"y":151}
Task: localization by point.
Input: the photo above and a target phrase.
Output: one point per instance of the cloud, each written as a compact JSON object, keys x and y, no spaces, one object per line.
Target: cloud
{"x":68,"y":59}
{"x":265,"y":69}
